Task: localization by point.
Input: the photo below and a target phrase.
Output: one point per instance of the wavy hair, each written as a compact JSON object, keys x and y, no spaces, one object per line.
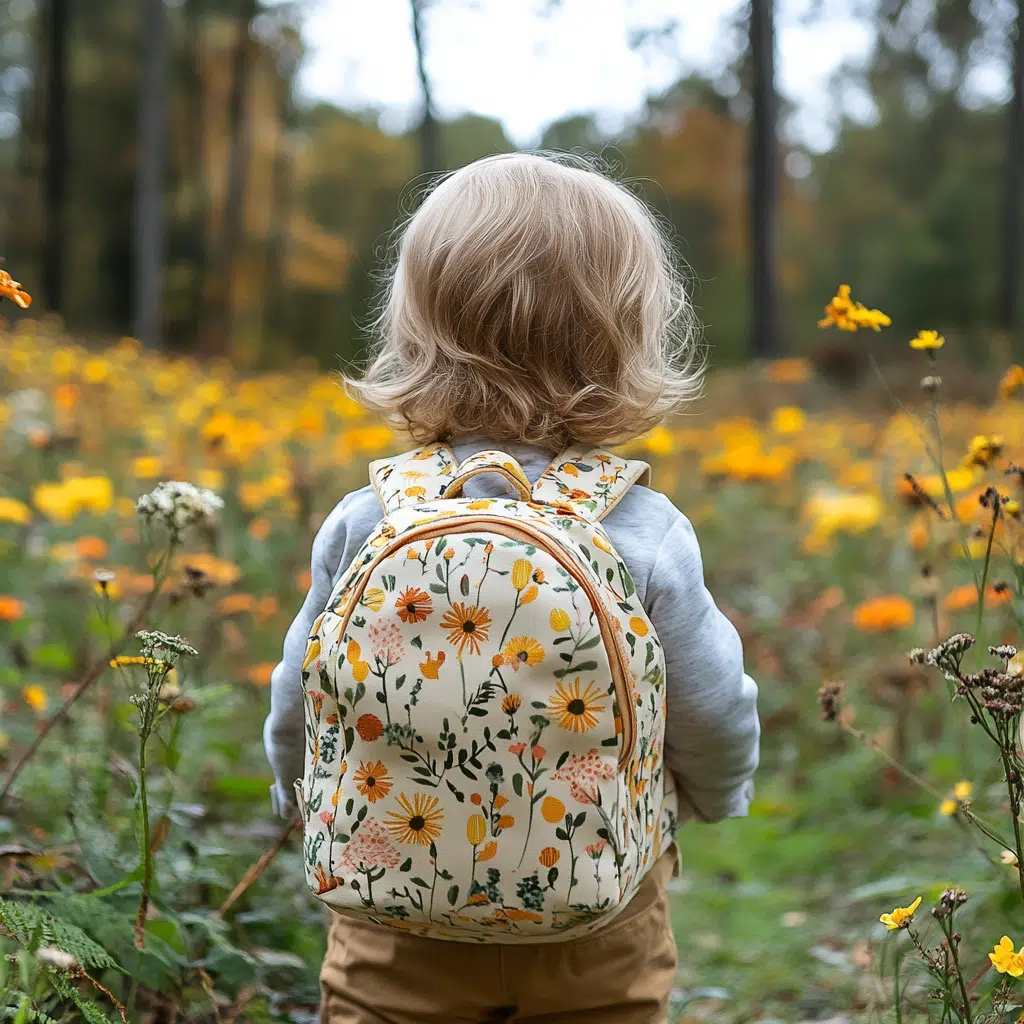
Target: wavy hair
{"x":533,"y":299}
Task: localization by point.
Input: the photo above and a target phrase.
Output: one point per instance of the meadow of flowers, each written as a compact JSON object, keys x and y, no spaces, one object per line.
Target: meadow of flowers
{"x":141,"y":874}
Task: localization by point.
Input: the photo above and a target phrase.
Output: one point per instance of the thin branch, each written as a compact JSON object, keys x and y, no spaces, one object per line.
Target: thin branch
{"x":257,"y":869}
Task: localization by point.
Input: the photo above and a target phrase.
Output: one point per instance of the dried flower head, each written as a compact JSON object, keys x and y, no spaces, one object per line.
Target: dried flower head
{"x":931,"y":383}
{"x":829,"y":700}
{"x":1004,"y":651}
{"x":164,"y":646}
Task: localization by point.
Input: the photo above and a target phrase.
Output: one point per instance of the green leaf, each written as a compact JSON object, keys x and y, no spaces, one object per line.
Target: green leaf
{"x":167,"y":931}
{"x":517,"y":784}
{"x":453,"y":895}
{"x":244,"y":786}
{"x":52,"y":657}
{"x":416,"y":880}
{"x":436,"y":588}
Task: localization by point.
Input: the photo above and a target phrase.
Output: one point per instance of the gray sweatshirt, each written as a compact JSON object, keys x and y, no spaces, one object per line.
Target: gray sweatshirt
{"x":711,"y":739}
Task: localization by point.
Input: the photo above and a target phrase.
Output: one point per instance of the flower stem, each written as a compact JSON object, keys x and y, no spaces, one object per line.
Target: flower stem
{"x":147,"y":854}
{"x":1015,"y":815}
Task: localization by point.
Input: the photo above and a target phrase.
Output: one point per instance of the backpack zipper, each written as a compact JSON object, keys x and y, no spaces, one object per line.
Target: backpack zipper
{"x":618,"y":663}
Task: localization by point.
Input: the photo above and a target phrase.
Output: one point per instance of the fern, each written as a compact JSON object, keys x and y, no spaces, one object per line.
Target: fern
{"x":30,"y":1016}
{"x":33,"y":927}
{"x":92,"y":1013}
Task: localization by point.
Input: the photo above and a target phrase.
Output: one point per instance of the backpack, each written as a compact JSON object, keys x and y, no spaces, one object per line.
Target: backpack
{"x":485,"y":708}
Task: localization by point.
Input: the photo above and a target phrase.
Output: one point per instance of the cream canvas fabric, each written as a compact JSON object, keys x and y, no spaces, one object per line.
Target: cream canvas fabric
{"x":485,"y":709}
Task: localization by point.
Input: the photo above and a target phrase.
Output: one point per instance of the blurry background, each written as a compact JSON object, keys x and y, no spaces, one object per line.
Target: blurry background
{"x":220,"y":176}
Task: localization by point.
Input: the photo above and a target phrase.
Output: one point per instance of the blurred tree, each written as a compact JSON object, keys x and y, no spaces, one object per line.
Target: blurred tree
{"x":217,"y":324}
{"x":1013,"y":223}
{"x":58,"y":28}
{"x":430,"y":157}
{"x":149,"y":212}
{"x":764,"y":341}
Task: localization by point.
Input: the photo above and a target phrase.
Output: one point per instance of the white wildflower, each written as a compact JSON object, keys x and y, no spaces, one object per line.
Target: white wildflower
{"x":178,"y":505}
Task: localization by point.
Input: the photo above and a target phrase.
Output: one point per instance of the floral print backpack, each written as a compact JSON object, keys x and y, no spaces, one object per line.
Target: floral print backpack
{"x":485,"y":708}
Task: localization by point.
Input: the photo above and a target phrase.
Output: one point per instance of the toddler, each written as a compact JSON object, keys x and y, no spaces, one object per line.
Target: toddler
{"x":535,"y":307}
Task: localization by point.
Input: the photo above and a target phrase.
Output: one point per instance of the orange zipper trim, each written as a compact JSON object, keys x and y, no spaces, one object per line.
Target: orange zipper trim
{"x":619,"y":664}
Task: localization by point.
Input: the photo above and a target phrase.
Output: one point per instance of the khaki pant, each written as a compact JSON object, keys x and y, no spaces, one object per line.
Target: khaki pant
{"x":622,"y":974}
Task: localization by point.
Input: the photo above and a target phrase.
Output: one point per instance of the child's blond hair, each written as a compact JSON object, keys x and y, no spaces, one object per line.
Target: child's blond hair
{"x":534,"y":300}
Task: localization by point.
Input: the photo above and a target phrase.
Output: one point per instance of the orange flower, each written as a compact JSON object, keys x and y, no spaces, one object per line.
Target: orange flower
{"x":414,"y":605}
{"x":967,"y":597}
{"x":576,"y":708}
{"x":259,"y":675}
{"x":372,"y":780}
{"x":487,"y":852}
{"x":266,"y":608}
{"x":259,"y":529}
{"x":235,"y":604}
{"x":549,"y":856}
{"x":430,"y":667}
{"x":506,"y":821}
{"x":12,"y":290}
{"x":881,"y":614}
{"x":369,"y":727}
{"x":552,"y":810}
{"x":92,"y":548}
{"x":467,"y":625}
{"x":11,"y":609}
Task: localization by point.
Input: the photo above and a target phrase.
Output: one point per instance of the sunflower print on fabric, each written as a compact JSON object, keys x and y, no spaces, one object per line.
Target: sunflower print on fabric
{"x":485,"y":709}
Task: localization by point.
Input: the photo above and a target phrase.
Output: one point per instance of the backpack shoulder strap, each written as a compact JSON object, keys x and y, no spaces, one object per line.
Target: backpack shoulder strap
{"x":413,"y":477}
{"x":591,"y":480}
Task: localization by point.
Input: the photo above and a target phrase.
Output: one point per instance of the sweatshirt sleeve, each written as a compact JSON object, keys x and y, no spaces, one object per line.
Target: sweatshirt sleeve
{"x":283,"y":729}
{"x":712,"y":733}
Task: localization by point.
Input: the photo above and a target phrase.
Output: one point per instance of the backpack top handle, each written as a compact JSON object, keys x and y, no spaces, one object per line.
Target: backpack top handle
{"x":491,"y":462}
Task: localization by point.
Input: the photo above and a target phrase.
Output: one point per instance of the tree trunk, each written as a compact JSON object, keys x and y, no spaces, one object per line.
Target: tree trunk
{"x":150,"y":225}
{"x":194,"y":163}
{"x":221,"y":311}
{"x":428,"y":140}
{"x":275,"y":296}
{"x":763,"y":182}
{"x":55,"y":175}
{"x":1009,"y":298}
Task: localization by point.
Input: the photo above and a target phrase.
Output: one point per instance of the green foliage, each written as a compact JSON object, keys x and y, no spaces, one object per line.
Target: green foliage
{"x":32,"y":926}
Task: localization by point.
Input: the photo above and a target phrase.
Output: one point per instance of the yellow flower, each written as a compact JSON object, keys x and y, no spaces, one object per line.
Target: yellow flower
{"x":1011,"y":508}
{"x":927,"y":341}
{"x":576,"y":708}
{"x":123,"y":660}
{"x":419,"y":820}
{"x":848,"y":315}
{"x":147,"y":467}
{"x":374,"y":599}
{"x":788,"y":420}
{"x":14,"y":511}
{"x":35,"y":698}
{"x":1008,"y":857}
{"x":530,"y":594}
{"x":600,"y":542}
{"x":900,"y":916}
{"x":948,"y":807}
{"x":1005,"y":960}
{"x":522,"y":650}
{"x":476,"y":829}
{"x":982,"y":450}
{"x":962,"y":790}
{"x":638,"y":626}
{"x":521,"y":570}
{"x":559,"y":620}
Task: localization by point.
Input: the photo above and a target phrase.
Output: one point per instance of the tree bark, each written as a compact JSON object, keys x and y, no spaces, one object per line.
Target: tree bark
{"x":1009,"y":297}
{"x":764,"y":342}
{"x":195,"y":161}
{"x":55,"y":173}
{"x":221,"y":311}
{"x":150,"y":222}
{"x":428,"y":139}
